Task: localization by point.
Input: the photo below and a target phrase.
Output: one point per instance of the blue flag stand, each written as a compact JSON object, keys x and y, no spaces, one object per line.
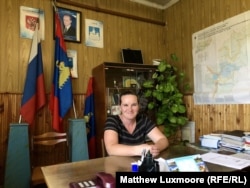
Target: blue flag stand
{"x":78,"y":142}
{"x":17,"y":169}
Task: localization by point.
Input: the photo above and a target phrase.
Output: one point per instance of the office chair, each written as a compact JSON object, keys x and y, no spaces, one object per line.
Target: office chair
{"x":46,"y":145}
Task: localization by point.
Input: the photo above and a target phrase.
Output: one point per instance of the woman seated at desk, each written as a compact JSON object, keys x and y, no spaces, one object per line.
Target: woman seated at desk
{"x":125,"y":134}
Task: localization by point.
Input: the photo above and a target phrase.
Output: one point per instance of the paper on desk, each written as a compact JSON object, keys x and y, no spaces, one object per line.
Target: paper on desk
{"x":162,"y":165}
{"x":225,"y":160}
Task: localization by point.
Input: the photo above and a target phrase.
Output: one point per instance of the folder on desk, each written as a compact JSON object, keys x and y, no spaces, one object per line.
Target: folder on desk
{"x":210,"y":142}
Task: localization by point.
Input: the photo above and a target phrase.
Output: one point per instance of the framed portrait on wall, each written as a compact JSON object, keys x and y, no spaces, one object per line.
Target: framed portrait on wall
{"x":71,"y":24}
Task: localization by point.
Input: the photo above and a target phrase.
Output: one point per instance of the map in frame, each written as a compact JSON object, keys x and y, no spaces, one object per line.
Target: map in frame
{"x":221,"y":62}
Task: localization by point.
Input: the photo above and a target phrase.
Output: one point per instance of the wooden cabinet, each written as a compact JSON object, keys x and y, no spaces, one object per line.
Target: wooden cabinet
{"x":111,"y":79}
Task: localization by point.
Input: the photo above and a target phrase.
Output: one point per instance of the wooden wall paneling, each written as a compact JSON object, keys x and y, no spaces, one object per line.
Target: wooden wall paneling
{"x":2,"y":51}
{"x":198,"y":124}
{"x":202,"y":15}
{"x":25,"y":45}
{"x":238,"y":122}
{"x":199,"y":121}
{"x":169,"y":29}
{"x":188,"y":101}
{"x":233,"y":124}
{"x":236,"y":7}
{"x":178,"y":35}
{"x":158,"y":52}
{"x":229,"y":116}
{"x":212,"y":119}
{"x":148,"y":48}
{"x":48,"y":45}
{"x":245,"y":5}
{"x":118,"y":42}
{"x":210,"y":112}
{"x":207,"y":121}
{"x":208,"y":13}
{"x":223,"y":116}
{"x":227,"y":8}
{"x":149,"y":51}
{"x":219,"y":15}
{"x":206,"y":113}
{"x":174,"y":31}
{"x":186,"y":38}
{"x":240,"y":117}
{"x":246,"y":115}
{"x":213,"y":11}
{"x":10,"y":45}
{"x":110,"y":38}
{"x":219,"y":125}
{"x":220,"y":116}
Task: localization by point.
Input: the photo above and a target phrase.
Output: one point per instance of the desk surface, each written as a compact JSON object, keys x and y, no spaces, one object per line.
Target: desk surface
{"x":62,"y":174}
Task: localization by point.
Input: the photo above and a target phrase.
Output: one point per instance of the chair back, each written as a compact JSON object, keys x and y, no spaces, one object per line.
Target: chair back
{"x":46,"y":150}
{"x":45,"y":145}
{"x":49,"y":138}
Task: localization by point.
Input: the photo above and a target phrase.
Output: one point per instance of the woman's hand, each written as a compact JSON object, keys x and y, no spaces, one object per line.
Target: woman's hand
{"x":154,"y":150}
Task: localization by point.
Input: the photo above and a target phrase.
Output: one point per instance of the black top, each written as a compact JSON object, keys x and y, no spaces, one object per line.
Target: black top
{"x":143,"y":126}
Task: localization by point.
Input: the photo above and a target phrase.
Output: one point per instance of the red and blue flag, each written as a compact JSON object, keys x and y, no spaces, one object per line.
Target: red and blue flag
{"x":90,"y":111}
{"x":61,"y":97}
{"x":34,"y":90}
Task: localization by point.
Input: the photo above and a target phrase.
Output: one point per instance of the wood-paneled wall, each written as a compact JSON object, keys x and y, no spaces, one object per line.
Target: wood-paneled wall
{"x":209,"y":118}
{"x":156,"y":41}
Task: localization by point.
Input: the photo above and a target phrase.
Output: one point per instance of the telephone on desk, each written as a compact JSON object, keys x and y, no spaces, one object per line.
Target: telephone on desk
{"x":102,"y":180}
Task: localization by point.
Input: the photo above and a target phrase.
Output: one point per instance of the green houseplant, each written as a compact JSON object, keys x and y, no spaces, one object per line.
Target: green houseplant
{"x":164,"y":97}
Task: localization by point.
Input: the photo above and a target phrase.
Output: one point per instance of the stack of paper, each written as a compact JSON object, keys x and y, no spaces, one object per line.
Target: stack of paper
{"x":226,"y":160}
{"x":232,"y":141}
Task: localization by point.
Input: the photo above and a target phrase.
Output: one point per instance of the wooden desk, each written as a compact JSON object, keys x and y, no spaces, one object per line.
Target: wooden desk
{"x":62,"y":174}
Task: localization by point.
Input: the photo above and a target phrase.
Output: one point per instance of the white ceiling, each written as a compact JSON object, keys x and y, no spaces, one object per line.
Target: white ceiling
{"x":159,"y":4}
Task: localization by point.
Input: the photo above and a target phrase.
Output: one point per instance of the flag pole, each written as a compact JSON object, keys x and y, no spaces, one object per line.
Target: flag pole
{"x":20,"y":119}
{"x":54,"y":5}
{"x":74,"y":108}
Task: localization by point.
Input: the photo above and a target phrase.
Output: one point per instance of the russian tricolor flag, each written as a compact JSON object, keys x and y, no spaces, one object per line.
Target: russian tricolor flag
{"x":61,"y":98}
{"x":34,"y":90}
{"x":89,"y":111}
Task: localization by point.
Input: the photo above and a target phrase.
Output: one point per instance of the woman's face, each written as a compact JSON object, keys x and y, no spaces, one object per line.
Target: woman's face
{"x":129,"y":106}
